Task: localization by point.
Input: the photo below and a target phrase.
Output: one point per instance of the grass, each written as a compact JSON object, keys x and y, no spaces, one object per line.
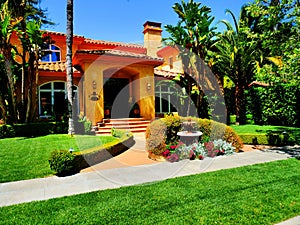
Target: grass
{"x":259,"y":194}
{"x":258,"y":129}
{"x":27,"y":158}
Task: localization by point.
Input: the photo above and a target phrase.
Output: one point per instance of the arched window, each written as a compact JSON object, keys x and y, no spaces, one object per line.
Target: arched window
{"x":164,"y":95}
{"x":51,"y":53}
{"x":53,"y":99}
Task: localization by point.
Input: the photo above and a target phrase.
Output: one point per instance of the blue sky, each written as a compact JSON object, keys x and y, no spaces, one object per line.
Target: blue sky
{"x":122,"y":20}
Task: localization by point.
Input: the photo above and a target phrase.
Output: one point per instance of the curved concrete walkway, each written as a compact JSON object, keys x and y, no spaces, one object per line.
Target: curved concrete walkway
{"x":130,"y":168}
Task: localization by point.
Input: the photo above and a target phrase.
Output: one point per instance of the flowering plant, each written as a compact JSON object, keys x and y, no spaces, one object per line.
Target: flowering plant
{"x":198,"y":150}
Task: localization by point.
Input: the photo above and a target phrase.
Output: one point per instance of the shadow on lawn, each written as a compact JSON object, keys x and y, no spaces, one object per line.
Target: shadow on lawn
{"x":292,"y":151}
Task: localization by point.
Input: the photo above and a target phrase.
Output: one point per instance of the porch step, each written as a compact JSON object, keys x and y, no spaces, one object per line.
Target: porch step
{"x":135,"y":125}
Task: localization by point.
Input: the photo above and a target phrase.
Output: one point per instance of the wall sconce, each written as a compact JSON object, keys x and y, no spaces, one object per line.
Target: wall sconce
{"x":94,"y":96}
{"x":148,"y":86}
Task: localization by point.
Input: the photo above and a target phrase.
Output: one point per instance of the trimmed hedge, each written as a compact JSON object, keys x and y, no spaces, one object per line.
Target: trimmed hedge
{"x":89,"y":157}
{"x":164,"y":131}
{"x":40,"y":129}
{"x":7,"y":131}
{"x":268,"y":139}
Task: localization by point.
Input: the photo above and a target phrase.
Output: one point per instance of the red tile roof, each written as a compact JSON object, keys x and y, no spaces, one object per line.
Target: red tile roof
{"x":119,"y":53}
{"x":60,"y":33}
{"x":165,"y":73}
{"x":91,"y":41}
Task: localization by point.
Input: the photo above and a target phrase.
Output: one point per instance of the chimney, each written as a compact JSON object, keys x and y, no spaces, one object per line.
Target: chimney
{"x":152,"y":37}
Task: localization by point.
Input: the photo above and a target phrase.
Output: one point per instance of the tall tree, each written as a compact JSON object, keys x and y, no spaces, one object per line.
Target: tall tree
{"x":278,"y":31}
{"x":8,"y":25}
{"x":194,"y":36}
{"x":69,"y":68}
{"x":236,"y":57}
{"x":17,"y":18}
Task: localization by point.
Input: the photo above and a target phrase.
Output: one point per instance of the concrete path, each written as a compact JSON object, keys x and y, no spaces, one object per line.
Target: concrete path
{"x":130,"y":168}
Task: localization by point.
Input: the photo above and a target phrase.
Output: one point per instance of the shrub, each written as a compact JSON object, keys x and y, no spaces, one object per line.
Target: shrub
{"x":40,"y":129}
{"x":6,"y":131}
{"x":268,"y":139}
{"x":164,"y":131}
{"x":118,"y":133}
{"x":156,"y":137}
{"x":173,"y":124}
{"x":213,"y":130}
{"x":62,"y":162}
{"x":232,"y":119}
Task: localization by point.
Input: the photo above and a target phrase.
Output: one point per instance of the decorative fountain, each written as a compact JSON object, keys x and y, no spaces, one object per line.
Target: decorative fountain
{"x":188,"y":136}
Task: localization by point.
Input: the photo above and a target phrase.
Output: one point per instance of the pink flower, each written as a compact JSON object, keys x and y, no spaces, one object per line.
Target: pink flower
{"x":173,"y":158}
{"x":201,"y":157}
{"x":166,"y":153}
{"x":192,"y":155}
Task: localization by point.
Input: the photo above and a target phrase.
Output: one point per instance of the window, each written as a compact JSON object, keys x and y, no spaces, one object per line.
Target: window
{"x":51,"y":53}
{"x":53,"y":99}
{"x":163,"y":99}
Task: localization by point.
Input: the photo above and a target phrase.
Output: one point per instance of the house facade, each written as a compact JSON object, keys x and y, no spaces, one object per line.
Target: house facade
{"x":110,"y":78}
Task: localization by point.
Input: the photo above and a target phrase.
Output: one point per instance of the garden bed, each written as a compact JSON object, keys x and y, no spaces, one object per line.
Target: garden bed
{"x":162,"y":140}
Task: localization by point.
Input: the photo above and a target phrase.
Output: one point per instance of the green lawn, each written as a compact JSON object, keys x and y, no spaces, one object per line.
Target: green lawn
{"x":259,"y":194}
{"x":26,"y":158}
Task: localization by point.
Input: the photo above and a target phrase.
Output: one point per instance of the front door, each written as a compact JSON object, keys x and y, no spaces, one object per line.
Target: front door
{"x":116,"y":98}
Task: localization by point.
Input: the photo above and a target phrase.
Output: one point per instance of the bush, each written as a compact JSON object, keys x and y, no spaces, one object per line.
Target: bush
{"x":164,"y":131}
{"x":40,"y":129}
{"x":268,"y":139}
{"x":232,"y":119}
{"x":7,"y":131}
{"x":156,"y":137}
{"x":118,"y":133}
{"x":174,"y":125}
{"x":62,"y":162}
{"x":213,"y":130}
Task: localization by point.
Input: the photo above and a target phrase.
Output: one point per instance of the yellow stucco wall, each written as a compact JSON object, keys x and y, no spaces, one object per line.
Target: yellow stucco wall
{"x":142,"y":85}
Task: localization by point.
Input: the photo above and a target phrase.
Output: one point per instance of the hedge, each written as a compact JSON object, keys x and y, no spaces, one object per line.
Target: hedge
{"x":81,"y":160}
{"x":268,"y":139}
{"x":164,"y":131}
{"x":7,"y":131}
{"x":40,"y":129}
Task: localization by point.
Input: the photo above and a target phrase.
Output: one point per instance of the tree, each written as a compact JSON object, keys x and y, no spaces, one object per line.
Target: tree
{"x":8,"y":25}
{"x":194,"y":37}
{"x":69,"y":43}
{"x":22,"y":18}
{"x":236,"y":57}
{"x":279,"y":32}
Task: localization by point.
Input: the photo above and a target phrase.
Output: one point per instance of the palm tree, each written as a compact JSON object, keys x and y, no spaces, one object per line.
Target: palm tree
{"x":69,"y":68}
{"x":236,"y":57}
{"x":7,"y":27}
{"x":194,"y":36}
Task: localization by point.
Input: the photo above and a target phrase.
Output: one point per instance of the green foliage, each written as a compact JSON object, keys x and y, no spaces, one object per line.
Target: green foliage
{"x":40,"y":129}
{"x":65,"y":163}
{"x":164,"y":131}
{"x":213,"y":130}
{"x":6,"y":131}
{"x":156,"y":137}
{"x":62,"y":162}
{"x":173,"y":124}
{"x":268,"y":135}
{"x":232,"y":119}
{"x":118,"y":132}
{"x":278,"y":33}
